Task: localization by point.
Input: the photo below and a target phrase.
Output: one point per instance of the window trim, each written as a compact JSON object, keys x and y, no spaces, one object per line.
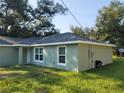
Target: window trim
{"x":62,"y":64}
{"x":35,"y":54}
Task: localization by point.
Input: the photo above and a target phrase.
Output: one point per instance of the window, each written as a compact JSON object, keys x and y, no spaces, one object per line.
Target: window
{"x":62,"y":55}
{"x":38,"y":54}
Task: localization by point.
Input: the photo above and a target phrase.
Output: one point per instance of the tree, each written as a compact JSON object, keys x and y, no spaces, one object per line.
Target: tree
{"x":86,"y":32}
{"x":19,"y":19}
{"x":77,"y":30}
{"x":110,"y":23}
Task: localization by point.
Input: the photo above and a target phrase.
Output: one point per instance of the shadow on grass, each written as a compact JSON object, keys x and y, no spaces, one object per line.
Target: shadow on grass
{"x":43,"y":90}
{"x":37,"y":79}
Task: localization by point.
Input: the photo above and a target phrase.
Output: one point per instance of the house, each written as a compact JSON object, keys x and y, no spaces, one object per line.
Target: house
{"x":62,"y":51}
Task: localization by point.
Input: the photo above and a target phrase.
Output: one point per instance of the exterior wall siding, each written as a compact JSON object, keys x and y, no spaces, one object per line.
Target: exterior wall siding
{"x":87,"y":61}
{"x":8,"y":56}
{"x":102,"y":53}
{"x":50,"y":57}
{"x":83,"y":63}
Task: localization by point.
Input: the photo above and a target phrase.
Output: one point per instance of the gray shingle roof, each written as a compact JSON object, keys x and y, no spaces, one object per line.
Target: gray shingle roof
{"x":65,"y":37}
{"x":58,"y":38}
{"x":8,"y":40}
{"x":29,"y":41}
{"x":3,"y":42}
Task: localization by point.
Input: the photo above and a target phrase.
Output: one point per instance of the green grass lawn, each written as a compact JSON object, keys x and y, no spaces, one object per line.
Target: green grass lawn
{"x":36,"y":79}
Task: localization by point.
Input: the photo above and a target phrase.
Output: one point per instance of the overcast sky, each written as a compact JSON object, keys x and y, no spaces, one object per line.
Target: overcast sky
{"x":84,"y":10}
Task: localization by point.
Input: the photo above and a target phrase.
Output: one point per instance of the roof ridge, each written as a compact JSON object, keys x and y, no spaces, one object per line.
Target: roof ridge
{"x":50,"y":36}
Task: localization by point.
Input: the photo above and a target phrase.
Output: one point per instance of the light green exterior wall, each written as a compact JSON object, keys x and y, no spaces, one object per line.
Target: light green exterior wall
{"x":83,"y":60}
{"x":78,"y":58}
{"x":102,"y":53}
{"x":8,"y":56}
{"x":87,"y":61}
{"x":50,"y":57}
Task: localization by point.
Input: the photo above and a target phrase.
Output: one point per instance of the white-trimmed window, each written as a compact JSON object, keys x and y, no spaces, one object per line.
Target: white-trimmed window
{"x":38,"y":54}
{"x":62,"y":55}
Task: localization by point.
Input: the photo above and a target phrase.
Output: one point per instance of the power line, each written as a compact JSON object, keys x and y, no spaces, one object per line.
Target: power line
{"x":72,"y":14}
